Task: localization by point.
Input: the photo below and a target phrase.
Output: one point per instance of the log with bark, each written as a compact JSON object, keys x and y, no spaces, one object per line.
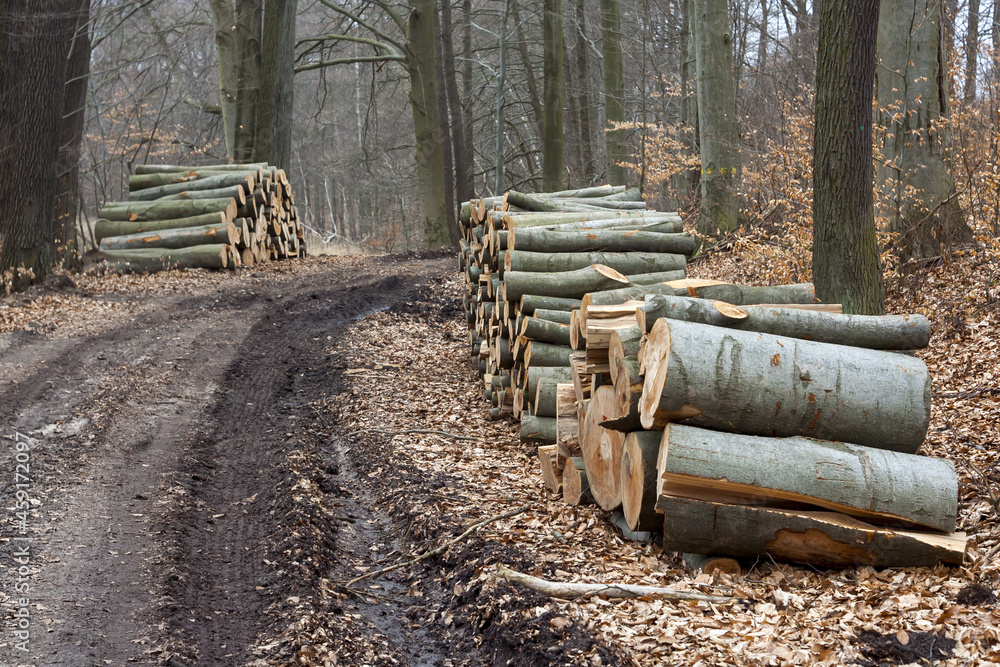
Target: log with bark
{"x":167,"y":210}
{"x":105,"y":228}
{"x":210,"y":182}
{"x":759,"y":384}
{"x":624,"y":262}
{"x":215,"y":256}
{"x":876,"y":486}
{"x":174,"y":238}
{"x":826,"y":539}
{"x":538,"y":429}
{"x":885,"y":332}
{"x":603,"y":240}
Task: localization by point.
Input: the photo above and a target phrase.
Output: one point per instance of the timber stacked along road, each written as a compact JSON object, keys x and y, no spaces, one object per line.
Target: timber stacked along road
{"x":214,"y":217}
{"x":742,"y":422}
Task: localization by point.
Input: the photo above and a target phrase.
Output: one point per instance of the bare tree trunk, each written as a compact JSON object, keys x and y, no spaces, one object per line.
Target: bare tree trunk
{"x":464,"y":185}
{"x":423,"y":100}
{"x":34,"y":42}
{"x":720,"y":157}
{"x":912,"y":86}
{"x":444,"y":129}
{"x":689,"y":95}
{"x":583,"y":96}
{"x":273,"y":137}
{"x":552,"y":126}
{"x":67,"y":202}
{"x":614,"y":91}
{"x":971,"y":53}
{"x":227,"y":54}
{"x":249,"y":24}
{"x":846,"y":266}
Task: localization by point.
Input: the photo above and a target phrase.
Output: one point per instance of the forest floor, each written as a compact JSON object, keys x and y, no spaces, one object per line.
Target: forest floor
{"x":212,"y":458}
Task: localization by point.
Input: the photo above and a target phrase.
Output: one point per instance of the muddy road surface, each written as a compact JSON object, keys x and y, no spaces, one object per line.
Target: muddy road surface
{"x":154,"y":476}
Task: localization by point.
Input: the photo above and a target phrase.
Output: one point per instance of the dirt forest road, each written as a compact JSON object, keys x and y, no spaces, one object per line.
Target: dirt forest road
{"x":164,"y":526}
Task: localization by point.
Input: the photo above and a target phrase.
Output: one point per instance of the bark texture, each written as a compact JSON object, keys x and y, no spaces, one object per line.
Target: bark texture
{"x":846,"y":266}
{"x":759,"y":384}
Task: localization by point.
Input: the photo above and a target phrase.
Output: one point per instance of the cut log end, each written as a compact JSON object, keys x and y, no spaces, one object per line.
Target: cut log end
{"x":608,"y":272}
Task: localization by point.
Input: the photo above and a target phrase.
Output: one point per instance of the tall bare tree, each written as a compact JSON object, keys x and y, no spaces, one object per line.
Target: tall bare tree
{"x":919,"y":197}
{"x":846,"y":267}
{"x":552,"y":125}
{"x":35,"y":39}
{"x":719,"y":138}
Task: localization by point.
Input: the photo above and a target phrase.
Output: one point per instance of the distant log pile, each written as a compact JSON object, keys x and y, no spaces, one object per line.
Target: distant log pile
{"x":740,"y":421}
{"x":214,"y":217}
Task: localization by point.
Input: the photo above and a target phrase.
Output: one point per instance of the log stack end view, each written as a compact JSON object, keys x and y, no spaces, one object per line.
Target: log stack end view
{"x":741,"y":422}
{"x":214,"y":217}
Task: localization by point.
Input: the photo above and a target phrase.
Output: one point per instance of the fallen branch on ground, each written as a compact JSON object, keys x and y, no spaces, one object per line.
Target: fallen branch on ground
{"x":569,"y":591}
{"x":437,"y":550}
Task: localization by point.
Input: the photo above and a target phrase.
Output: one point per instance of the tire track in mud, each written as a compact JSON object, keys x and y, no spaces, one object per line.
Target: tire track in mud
{"x":152,"y":542}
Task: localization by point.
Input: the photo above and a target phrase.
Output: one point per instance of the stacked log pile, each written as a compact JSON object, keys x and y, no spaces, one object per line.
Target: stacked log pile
{"x":747,"y":422}
{"x":215,"y":217}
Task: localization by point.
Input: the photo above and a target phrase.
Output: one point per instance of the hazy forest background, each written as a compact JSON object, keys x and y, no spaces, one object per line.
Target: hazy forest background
{"x":150,"y":92}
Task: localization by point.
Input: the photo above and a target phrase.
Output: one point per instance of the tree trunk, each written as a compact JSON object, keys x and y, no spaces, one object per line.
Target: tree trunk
{"x":34,"y":43}
{"x":546,"y":354}
{"x":600,"y":240}
{"x":464,"y":181}
{"x":876,"y":486}
{"x":560,"y":316}
{"x":918,"y":189}
{"x":614,"y":91}
{"x":971,"y":54}
{"x":689,"y":96}
{"x":825,"y":539}
{"x":846,"y":266}
{"x":77,"y":77}
{"x":423,"y":101}
{"x":183,"y":237}
{"x":884,"y":332}
{"x":227,"y":57}
{"x":530,"y":303}
{"x":596,"y":219}
{"x":552,"y":124}
{"x":107,"y":228}
{"x":249,"y":27}
{"x":159,"y":259}
{"x":275,"y":116}
{"x":759,"y":384}
{"x":444,"y":130}
{"x":567,"y":284}
{"x":586,"y":137}
{"x":638,"y":480}
{"x":719,"y":140}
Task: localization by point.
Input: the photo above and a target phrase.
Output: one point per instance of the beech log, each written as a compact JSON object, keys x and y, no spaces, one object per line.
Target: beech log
{"x":536,"y":373}
{"x":167,"y":210}
{"x":105,"y":228}
{"x":544,"y":331}
{"x":214,"y":256}
{"x":142,"y":169}
{"x":877,"y":486}
{"x":610,"y":240}
{"x":885,"y":332}
{"x":546,"y":354}
{"x":825,"y":539}
{"x":538,"y":429}
{"x":567,"y":426}
{"x":759,"y":384}
{"x":560,"y":316}
{"x":237,"y":192}
{"x":576,"y":488}
{"x":638,"y":480}
{"x":623,"y":262}
{"x":174,"y":238}
{"x":212,"y":182}
{"x":602,"y":450}
{"x":551,"y":465}
{"x":530,"y":302}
